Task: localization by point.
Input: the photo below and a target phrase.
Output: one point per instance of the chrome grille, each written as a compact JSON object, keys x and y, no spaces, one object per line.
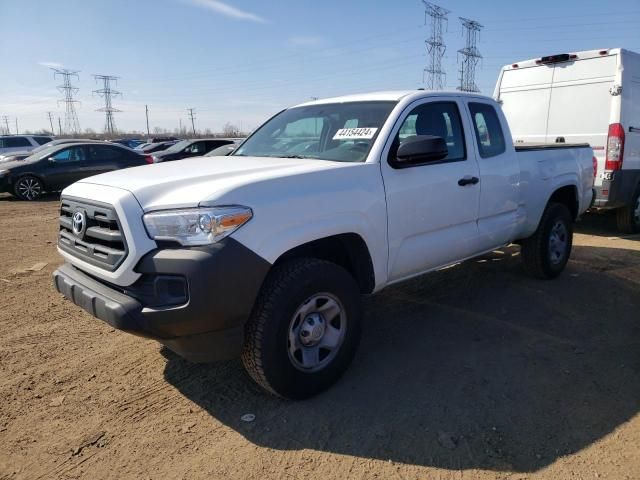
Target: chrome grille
{"x":100,"y":241}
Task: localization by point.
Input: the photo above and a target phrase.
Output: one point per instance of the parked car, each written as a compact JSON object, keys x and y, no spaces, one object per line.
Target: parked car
{"x":14,"y":143}
{"x":158,"y":147}
{"x":225,"y":149}
{"x":56,"y":167}
{"x":190,"y":148}
{"x":162,"y":139}
{"x":265,"y":256}
{"x":592,"y":97}
{"x":21,"y":155}
{"x":129,"y":142}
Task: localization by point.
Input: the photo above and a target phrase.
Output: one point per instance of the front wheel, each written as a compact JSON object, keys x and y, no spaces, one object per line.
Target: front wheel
{"x":304,"y":329}
{"x":28,"y":188}
{"x":547,"y":251}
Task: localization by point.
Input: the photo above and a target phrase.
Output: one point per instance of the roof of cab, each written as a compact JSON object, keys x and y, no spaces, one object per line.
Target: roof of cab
{"x":388,"y":96}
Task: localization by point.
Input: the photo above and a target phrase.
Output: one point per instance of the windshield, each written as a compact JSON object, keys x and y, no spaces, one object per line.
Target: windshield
{"x":42,"y":147}
{"x":342,"y":132}
{"x":178,"y":147}
{"x":43,"y":153}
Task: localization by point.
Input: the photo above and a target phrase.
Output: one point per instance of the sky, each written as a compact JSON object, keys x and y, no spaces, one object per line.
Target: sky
{"x":241,"y":61}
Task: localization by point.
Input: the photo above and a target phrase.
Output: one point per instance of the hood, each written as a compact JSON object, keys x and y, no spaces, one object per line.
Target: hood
{"x":8,"y":165}
{"x":11,"y":154}
{"x":203,"y":180}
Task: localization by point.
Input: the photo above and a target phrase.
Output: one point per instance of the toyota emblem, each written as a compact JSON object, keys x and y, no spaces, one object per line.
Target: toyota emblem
{"x":78,"y":223}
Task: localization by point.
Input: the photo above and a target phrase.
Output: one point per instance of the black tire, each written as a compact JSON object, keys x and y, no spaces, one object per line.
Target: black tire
{"x":542,"y":259}
{"x":28,"y":187}
{"x":267,"y":353}
{"x":628,"y":218}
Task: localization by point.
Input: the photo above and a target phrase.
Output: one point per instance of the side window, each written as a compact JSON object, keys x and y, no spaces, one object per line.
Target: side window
{"x":42,"y":140}
{"x":440,"y":119}
{"x":488,"y":130}
{"x":68,"y":155}
{"x":100,"y":153}
{"x":13,"y":142}
{"x":198,"y":148}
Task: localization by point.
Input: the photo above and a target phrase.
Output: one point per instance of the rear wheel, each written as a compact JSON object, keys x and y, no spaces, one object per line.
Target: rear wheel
{"x":547,"y":251}
{"x":304,"y":329}
{"x":628,"y":218}
{"x":28,"y":188}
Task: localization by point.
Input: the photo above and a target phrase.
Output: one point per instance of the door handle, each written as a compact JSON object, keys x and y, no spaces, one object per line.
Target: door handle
{"x":463,"y":182}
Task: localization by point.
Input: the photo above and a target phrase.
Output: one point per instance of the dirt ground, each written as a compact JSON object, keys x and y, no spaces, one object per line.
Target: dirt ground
{"x":474,"y":372}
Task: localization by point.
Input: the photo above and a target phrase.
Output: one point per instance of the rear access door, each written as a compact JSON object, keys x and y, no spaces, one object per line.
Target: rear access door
{"x":563,"y":99}
{"x":581,"y":110}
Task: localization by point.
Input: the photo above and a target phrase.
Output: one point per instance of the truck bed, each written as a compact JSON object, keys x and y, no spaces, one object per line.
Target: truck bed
{"x":528,"y":147}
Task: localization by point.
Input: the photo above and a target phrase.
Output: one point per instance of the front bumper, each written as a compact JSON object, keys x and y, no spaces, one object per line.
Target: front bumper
{"x":221,"y":283}
{"x":5,"y":184}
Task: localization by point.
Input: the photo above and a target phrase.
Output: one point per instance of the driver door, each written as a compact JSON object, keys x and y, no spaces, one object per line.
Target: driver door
{"x":65,"y":167}
{"x":432,"y":219}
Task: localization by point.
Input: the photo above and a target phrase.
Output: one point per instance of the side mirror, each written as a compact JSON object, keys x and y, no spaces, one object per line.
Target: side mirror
{"x":51,"y":159}
{"x":421,"y":149}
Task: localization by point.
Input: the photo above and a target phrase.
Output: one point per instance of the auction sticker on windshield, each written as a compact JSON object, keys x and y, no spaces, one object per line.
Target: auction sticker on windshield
{"x":355,"y":134}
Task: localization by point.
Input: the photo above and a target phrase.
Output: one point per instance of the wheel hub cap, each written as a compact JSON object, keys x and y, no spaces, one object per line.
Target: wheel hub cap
{"x":312,"y":329}
{"x":558,"y":242}
{"x":316,"y":332}
{"x":29,"y":188}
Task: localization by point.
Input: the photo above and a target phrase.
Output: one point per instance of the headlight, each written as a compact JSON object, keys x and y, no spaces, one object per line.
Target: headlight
{"x":196,"y":226}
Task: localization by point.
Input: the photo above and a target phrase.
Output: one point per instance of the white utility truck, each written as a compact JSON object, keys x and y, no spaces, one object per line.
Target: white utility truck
{"x":591,"y":97}
{"x":264,"y":254}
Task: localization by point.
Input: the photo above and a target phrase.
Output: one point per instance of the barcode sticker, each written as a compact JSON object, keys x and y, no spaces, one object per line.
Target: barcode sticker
{"x":355,"y":134}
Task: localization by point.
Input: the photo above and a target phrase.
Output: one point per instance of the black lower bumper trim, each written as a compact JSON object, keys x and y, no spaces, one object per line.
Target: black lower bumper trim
{"x":222,"y":280}
{"x":118,"y":310}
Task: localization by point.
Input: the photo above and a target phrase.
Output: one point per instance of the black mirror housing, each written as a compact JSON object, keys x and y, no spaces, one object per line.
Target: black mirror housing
{"x":421,"y":149}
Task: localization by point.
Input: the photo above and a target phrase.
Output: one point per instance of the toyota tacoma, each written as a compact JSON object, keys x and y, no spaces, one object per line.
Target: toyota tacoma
{"x":264,"y":254}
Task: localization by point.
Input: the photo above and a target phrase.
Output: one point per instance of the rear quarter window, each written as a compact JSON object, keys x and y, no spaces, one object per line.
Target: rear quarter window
{"x":488,"y":130}
{"x":100,"y":153}
{"x":42,"y":140}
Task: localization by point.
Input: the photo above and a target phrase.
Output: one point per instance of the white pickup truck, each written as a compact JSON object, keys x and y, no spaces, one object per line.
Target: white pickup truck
{"x":264,"y":254}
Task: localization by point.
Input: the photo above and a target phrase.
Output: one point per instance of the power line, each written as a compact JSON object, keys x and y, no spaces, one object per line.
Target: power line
{"x":435,"y":45}
{"x":71,"y":124}
{"x":304,"y":79}
{"x":192,"y":116}
{"x":470,"y":55}
{"x":107,"y":93}
{"x":277,"y":62}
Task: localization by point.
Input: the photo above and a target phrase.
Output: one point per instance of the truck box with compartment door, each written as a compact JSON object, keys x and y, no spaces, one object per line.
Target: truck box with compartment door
{"x":592,"y":97}
{"x":264,"y":254}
